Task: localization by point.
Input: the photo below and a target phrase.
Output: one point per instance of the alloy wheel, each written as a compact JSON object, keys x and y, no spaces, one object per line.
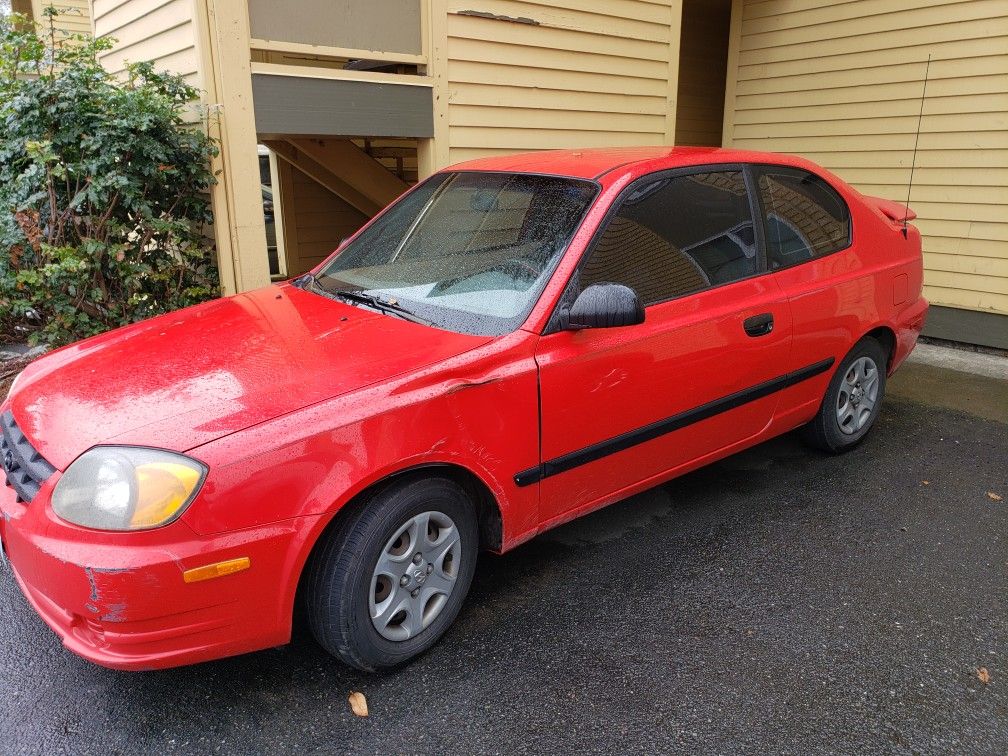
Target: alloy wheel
{"x":858,"y":395}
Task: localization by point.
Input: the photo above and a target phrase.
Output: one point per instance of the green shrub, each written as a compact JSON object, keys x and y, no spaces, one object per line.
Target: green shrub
{"x":103,"y":190}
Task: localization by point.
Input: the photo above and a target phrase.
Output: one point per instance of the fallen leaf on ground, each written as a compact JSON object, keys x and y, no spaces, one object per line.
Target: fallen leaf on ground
{"x":993,"y":496}
{"x":983,"y":674}
{"x":358,"y":704}
{"x":925,"y":482}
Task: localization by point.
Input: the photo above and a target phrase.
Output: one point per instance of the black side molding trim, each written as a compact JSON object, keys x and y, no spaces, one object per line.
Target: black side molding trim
{"x":661,"y":427}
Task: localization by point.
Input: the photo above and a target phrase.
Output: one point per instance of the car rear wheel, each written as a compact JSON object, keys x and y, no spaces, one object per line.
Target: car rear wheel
{"x":390,"y":579}
{"x":852,"y":400}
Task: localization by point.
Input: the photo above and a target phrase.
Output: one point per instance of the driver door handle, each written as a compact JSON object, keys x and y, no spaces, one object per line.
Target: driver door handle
{"x":758,"y":325}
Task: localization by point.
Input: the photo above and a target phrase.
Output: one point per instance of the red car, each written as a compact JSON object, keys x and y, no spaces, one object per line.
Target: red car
{"x":513,"y":343}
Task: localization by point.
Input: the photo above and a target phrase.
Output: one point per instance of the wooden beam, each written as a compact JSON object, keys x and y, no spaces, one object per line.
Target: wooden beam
{"x":239,"y":226}
{"x":288,"y":227}
{"x":433,"y":154}
{"x":278,"y":213}
{"x":289,"y":152}
{"x":340,"y":74}
{"x":299,"y":48}
{"x":391,"y":152}
{"x":355,"y":167}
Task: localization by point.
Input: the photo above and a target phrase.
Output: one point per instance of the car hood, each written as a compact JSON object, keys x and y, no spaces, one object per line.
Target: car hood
{"x":187,"y":378}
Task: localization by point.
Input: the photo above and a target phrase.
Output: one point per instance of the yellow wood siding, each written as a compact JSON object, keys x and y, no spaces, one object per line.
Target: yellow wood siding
{"x":315,"y":221}
{"x":159,"y":31}
{"x":537,"y":75}
{"x":841,"y":83}
{"x":74,"y":15}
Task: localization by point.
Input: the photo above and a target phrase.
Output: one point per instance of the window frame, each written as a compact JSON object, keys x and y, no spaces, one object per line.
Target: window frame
{"x":567,"y":296}
{"x":760,"y":169}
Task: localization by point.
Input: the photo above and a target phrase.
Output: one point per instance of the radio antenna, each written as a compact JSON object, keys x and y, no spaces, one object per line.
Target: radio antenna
{"x":913,"y":160}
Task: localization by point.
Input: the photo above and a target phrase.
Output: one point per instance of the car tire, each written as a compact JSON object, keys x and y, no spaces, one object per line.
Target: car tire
{"x":852,"y":401}
{"x":376,"y":560}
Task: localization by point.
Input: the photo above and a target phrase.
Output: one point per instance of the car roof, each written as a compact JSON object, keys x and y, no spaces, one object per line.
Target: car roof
{"x":594,"y":162}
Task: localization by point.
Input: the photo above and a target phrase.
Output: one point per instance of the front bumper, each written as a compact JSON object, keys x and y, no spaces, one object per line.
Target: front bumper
{"x":120,"y":600}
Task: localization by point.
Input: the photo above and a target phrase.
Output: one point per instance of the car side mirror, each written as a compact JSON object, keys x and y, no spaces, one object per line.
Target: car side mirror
{"x":605,"y":305}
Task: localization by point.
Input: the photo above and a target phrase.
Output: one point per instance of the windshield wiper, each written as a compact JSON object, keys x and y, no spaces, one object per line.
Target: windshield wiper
{"x":388,"y":306}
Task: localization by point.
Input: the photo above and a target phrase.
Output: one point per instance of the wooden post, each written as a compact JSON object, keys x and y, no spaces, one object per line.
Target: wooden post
{"x":286,"y":201}
{"x":239,"y":226}
{"x":432,"y":154}
{"x":278,"y":214}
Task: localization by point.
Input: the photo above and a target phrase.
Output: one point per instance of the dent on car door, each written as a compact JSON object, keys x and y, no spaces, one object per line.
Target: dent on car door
{"x":624,"y":405}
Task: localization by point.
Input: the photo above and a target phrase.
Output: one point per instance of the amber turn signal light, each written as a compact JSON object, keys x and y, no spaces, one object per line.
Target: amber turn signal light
{"x":216,"y":570}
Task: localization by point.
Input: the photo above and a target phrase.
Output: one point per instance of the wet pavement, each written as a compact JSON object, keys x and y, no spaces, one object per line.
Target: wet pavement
{"x":779,"y":601}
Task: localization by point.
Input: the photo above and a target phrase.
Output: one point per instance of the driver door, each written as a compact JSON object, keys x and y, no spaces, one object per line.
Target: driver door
{"x":621,"y":406}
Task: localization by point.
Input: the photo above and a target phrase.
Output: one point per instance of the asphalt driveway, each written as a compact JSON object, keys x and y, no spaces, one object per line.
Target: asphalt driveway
{"x":780,"y":601}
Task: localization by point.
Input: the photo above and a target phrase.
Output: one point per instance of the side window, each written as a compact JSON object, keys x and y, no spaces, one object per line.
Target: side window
{"x":805,"y":217}
{"x":676,"y":236}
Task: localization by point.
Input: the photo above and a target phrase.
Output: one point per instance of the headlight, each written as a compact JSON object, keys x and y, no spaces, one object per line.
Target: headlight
{"x":126,"y":488}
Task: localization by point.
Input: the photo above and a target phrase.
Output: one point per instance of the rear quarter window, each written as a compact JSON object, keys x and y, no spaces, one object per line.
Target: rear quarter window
{"x":805,"y":217}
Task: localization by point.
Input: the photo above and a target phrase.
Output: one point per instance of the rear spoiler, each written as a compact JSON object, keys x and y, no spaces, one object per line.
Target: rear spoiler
{"x":894,"y":211}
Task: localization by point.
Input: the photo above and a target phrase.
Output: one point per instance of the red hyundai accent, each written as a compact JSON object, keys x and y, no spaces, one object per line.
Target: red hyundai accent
{"x":513,"y":343}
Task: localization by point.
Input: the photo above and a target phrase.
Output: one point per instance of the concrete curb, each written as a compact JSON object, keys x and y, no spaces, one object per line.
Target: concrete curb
{"x":964,"y":361}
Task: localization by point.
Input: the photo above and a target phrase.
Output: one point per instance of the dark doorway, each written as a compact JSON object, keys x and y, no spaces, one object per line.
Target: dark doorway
{"x":703,"y":65}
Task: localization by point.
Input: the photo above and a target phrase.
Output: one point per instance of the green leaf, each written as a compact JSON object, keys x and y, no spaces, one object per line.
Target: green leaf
{"x":111,"y":173}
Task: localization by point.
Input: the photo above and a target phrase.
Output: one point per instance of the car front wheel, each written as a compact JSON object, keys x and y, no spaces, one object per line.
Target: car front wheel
{"x":390,"y":579}
{"x":852,"y":400}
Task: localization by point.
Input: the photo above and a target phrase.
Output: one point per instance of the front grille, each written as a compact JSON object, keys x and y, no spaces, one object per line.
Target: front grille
{"x":26,"y":470}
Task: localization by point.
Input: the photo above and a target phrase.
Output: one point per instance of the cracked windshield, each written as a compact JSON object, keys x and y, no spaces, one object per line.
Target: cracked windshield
{"x":465,"y":251}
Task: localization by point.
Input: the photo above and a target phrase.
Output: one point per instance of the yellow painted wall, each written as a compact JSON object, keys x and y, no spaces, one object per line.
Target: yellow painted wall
{"x":841,"y":83}
{"x":315,"y":219}
{"x":572,"y":74}
{"x":74,"y":15}
{"x":158,"y":31}
{"x":837,"y":82}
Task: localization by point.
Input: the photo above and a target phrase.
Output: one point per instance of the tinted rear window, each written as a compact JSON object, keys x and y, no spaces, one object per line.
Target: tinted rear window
{"x":805,"y":217}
